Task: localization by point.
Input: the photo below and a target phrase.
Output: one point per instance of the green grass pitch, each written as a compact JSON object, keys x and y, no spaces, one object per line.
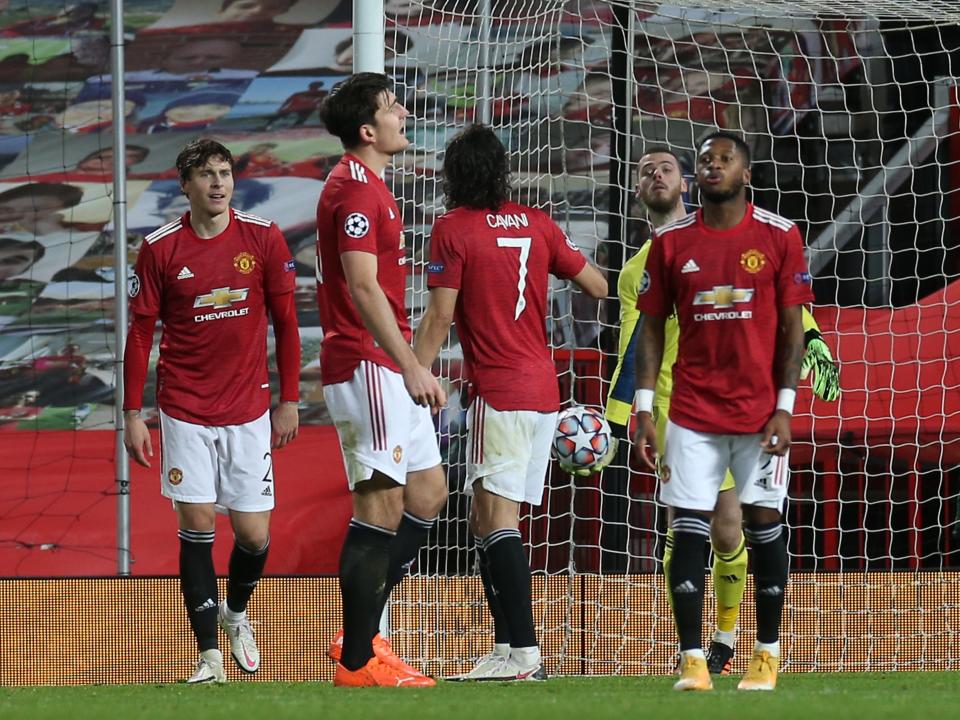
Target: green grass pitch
{"x":851,"y":696}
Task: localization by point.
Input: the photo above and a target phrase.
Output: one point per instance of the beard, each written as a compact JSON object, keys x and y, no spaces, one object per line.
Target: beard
{"x":661,"y":204}
{"x":717,"y":196}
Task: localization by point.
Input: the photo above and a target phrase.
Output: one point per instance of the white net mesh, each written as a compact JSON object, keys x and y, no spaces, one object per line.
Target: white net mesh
{"x":852,"y":120}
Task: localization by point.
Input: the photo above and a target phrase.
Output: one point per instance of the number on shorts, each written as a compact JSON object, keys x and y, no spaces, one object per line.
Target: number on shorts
{"x":523,"y":245}
{"x":266,"y":478}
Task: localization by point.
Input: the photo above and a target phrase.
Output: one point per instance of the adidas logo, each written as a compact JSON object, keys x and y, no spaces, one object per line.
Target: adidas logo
{"x":184,"y":274}
{"x":207,"y":605}
{"x":771,"y":591}
{"x":685,"y":587}
{"x":266,"y":491}
{"x":690,"y":266}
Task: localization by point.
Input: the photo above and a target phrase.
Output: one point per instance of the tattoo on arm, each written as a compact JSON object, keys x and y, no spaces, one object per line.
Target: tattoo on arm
{"x":789,"y":348}
{"x":649,"y":351}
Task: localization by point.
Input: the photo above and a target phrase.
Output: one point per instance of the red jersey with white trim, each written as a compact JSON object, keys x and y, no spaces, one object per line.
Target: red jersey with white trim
{"x":356,"y":213}
{"x":500,"y":262}
{"x":211,"y":295}
{"x":727,"y":287}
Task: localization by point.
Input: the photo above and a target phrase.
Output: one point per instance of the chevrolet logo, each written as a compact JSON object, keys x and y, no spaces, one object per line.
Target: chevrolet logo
{"x":723,"y":296}
{"x":220,"y":298}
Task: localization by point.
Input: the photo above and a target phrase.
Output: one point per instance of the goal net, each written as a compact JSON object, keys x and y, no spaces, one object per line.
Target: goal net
{"x":852,"y":119}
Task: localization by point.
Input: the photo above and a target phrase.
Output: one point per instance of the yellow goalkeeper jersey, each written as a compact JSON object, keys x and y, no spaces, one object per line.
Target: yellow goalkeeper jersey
{"x":623,"y":382}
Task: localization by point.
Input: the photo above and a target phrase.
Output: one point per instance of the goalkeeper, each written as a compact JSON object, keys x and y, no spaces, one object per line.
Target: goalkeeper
{"x":660,"y":187}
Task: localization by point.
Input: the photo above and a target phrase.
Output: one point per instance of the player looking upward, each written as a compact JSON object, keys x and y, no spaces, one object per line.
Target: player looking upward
{"x":378,"y":394}
{"x":736,"y":278}
{"x":490,"y":259}
{"x":211,"y":277}
{"x":660,"y":187}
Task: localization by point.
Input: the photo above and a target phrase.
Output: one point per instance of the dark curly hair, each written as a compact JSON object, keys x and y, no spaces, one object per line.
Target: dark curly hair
{"x":352,"y":104}
{"x":196,"y":154}
{"x":476,"y":170}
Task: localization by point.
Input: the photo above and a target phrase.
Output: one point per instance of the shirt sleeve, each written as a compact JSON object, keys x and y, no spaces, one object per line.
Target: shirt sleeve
{"x":793,"y":283}
{"x":445,"y":268}
{"x":356,"y":219}
{"x":283,"y":312}
{"x":280,"y":273}
{"x":566,"y":260}
{"x":145,"y":286}
{"x":654,"y":293}
{"x":136,"y":359}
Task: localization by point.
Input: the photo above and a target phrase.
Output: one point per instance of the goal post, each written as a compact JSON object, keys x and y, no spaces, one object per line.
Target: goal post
{"x":851,"y":117}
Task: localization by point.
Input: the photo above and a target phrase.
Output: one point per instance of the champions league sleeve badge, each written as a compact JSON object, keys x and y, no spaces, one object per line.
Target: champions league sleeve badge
{"x":356,"y":225}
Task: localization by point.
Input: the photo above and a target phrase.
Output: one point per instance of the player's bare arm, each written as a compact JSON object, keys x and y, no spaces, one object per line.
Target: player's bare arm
{"x":435,"y":325}
{"x":649,"y":356}
{"x":592,"y":282}
{"x":360,"y":270}
{"x":789,"y":358}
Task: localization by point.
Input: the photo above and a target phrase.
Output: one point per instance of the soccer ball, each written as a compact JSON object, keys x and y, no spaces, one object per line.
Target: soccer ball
{"x":583,"y":440}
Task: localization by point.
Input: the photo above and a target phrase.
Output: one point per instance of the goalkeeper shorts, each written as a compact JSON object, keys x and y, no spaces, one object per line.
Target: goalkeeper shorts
{"x":229,"y":465}
{"x":695,"y":464}
{"x":509,"y":450}
{"x":380,"y":426}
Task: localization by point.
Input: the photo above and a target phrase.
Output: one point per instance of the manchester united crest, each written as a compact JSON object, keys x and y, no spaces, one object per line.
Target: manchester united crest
{"x":752,"y":261}
{"x":175,"y":476}
{"x":244,"y":263}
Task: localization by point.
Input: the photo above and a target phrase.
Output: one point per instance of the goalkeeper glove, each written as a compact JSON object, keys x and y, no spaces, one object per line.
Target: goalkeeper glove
{"x":600,"y":464}
{"x":826,"y":374}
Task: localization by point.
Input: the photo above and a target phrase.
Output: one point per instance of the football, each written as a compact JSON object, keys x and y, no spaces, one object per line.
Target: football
{"x":583,"y":440}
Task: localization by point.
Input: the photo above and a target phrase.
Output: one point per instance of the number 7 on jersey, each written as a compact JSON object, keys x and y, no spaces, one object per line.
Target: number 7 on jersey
{"x":523,"y":245}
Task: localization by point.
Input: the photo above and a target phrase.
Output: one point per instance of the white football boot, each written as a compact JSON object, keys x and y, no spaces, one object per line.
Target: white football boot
{"x":243,"y":644}
{"x":487,"y":667}
{"x":209,"y":669}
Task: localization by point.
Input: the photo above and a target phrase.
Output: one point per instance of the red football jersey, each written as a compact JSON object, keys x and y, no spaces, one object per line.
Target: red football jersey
{"x":356,"y":212}
{"x":499,"y":261}
{"x":727,"y":287}
{"x":211,"y":296}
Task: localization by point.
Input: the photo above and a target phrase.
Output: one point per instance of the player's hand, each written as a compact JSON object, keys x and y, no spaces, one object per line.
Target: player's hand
{"x":136,"y":438}
{"x":826,"y":374}
{"x":776,"y":434}
{"x":600,"y":464}
{"x":284,"y":422}
{"x":424,"y":388}
{"x":645,"y":442}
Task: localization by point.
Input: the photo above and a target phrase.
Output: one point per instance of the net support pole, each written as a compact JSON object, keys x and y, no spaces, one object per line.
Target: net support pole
{"x":120,"y":280}
{"x":368,"y":36}
{"x":484,"y":90}
{"x":614,"y":537}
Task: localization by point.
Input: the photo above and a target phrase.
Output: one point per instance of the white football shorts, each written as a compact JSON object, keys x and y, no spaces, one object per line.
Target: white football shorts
{"x":380,"y":426}
{"x":229,"y":465}
{"x":695,"y":463}
{"x":509,"y":450}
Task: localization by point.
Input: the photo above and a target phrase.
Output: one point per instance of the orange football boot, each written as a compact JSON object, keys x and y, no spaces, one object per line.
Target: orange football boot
{"x":376,"y":673}
{"x":381,"y":649}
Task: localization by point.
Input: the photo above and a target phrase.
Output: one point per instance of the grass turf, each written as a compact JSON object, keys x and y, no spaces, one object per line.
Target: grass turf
{"x":851,"y":696}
